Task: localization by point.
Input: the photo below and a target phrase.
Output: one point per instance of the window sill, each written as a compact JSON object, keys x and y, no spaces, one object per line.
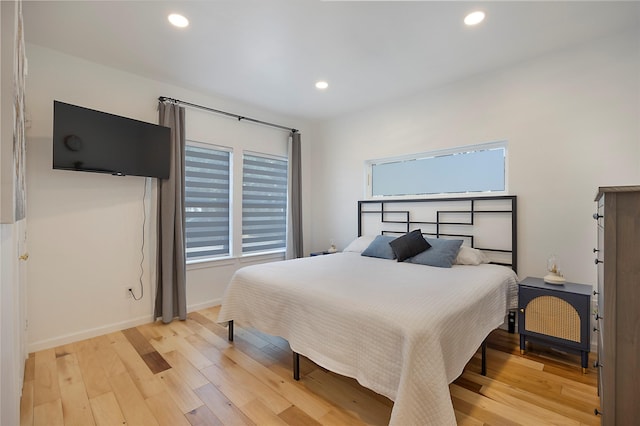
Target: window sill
{"x":271,"y":255}
{"x":210,"y":263}
{"x":439,"y":195}
{"x":229,"y":261}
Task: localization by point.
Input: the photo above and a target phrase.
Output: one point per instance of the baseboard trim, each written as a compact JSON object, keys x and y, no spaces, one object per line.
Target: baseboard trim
{"x":204,"y":305}
{"x":87,"y":334}
{"x":108,"y":328}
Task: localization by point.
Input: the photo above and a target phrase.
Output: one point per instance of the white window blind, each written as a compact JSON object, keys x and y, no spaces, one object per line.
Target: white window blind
{"x":207,"y":191}
{"x":264,"y":203}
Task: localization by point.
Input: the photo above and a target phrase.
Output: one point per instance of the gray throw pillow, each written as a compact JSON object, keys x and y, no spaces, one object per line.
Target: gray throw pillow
{"x":380,"y":248}
{"x":442,"y":253}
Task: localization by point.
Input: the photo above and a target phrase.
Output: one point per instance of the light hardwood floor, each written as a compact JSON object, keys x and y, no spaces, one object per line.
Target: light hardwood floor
{"x":187,"y":373}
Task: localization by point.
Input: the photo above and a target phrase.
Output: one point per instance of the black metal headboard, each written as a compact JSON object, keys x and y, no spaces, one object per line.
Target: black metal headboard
{"x":451,"y":218}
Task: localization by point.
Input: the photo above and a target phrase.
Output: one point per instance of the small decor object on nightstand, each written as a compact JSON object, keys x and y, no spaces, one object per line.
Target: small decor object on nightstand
{"x":554,"y":276}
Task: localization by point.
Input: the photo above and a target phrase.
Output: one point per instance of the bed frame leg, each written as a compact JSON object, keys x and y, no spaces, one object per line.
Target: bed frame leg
{"x":296,"y":366}
{"x":231,"y":331}
{"x":483,"y":368}
{"x":512,"y":322}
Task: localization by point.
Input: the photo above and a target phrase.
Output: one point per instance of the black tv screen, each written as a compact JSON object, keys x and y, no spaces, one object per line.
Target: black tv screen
{"x":92,"y":141}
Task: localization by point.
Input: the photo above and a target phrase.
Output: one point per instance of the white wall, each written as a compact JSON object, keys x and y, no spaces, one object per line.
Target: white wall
{"x":85,"y":229}
{"x":571,"y":120}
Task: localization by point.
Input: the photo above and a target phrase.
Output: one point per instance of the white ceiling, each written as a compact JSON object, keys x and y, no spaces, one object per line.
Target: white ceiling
{"x":269,"y":53}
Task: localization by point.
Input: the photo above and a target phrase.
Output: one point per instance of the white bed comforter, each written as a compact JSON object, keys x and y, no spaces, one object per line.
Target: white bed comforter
{"x":403,"y":330}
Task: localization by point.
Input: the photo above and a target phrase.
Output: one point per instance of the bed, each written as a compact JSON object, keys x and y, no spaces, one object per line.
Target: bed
{"x":404,"y":330}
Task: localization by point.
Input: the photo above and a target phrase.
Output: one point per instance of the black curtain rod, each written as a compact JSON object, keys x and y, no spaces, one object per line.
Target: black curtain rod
{"x":228,"y":114}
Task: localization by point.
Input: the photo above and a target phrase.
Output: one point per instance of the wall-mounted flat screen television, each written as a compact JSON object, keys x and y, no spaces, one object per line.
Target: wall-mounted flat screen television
{"x":92,"y":141}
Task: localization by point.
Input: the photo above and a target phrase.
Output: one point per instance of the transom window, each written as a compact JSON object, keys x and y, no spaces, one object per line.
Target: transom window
{"x":471,"y":169}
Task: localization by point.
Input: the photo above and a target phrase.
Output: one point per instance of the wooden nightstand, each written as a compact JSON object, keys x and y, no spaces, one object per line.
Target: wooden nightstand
{"x":555,"y":315}
{"x":321,"y":253}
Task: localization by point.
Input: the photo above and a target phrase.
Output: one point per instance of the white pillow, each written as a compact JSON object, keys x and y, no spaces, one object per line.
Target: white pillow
{"x":470,"y":256}
{"x":360,"y":244}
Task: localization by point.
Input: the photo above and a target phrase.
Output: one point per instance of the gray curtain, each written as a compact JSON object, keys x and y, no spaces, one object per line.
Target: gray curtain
{"x":19,"y":138}
{"x":171,"y":301}
{"x":294,"y":227}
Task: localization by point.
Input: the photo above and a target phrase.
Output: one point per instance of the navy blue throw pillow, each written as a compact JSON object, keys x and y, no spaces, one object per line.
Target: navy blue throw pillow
{"x":409,"y":245}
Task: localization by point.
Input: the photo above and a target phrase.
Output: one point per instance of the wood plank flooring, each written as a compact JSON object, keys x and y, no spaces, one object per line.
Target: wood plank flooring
{"x":187,"y":373}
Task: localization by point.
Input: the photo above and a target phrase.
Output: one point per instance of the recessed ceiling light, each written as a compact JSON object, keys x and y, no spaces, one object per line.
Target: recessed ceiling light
{"x":474,"y":18}
{"x":321,"y":85}
{"x":178,"y":20}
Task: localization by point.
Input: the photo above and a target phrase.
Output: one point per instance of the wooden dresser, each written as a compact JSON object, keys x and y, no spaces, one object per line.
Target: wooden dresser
{"x":617,"y":316}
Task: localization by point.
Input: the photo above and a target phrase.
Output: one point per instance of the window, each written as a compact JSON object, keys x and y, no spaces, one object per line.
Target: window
{"x":476,"y":168}
{"x":207,"y":189}
{"x":208,"y":203}
{"x":264,"y":203}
